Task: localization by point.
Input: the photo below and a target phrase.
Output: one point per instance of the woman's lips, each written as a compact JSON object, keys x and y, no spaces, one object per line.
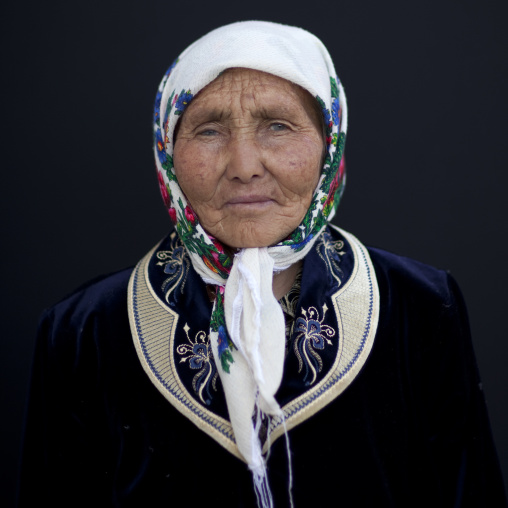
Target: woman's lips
{"x":249,"y":201}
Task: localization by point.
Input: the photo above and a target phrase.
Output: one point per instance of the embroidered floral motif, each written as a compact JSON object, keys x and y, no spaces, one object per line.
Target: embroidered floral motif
{"x":288,"y":305}
{"x":176,"y":264}
{"x":311,"y":334}
{"x":198,"y":354}
{"x":330,"y":251}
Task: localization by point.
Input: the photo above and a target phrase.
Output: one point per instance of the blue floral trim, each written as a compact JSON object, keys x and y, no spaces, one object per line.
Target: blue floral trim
{"x":330,"y":251}
{"x":176,"y":264}
{"x":198,"y":355}
{"x":311,"y":335}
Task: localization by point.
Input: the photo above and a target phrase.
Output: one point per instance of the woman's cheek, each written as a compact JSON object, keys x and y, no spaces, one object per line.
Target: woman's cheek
{"x":298,"y":164}
{"x":195,"y":169}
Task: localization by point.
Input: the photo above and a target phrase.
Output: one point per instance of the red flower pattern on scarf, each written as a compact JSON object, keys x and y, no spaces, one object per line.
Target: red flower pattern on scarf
{"x":164,"y":191}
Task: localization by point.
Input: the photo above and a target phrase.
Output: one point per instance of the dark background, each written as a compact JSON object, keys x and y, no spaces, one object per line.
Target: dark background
{"x":427,"y":167}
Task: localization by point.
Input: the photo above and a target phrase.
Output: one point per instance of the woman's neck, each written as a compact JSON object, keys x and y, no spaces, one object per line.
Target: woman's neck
{"x":283,"y":281}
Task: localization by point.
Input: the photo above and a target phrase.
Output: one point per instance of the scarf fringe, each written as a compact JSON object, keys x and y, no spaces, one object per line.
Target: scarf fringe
{"x":262,"y":490}
{"x":259,"y":470}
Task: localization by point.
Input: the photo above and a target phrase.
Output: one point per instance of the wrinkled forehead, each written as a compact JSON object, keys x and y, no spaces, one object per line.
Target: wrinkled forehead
{"x":248,"y":85}
{"x":239,"y":79}
{"x":283,"y":51}
{"x":254,"y":93}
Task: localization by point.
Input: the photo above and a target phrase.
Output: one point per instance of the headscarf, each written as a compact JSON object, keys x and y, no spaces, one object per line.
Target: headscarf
{"x":247,"y":331}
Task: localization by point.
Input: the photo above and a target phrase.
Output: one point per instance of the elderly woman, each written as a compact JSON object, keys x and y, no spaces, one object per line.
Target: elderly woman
{"x":256,"y":320}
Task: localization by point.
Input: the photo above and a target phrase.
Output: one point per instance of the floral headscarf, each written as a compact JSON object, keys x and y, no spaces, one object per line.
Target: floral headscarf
{"x":247,"y":330}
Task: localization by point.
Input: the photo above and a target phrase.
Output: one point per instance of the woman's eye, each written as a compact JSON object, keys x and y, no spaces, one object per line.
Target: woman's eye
{"x":207,"y":132}
{"x":278,"y":127}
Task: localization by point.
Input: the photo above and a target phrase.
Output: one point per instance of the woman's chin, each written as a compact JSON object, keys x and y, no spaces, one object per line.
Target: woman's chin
{"x":241,"y":237}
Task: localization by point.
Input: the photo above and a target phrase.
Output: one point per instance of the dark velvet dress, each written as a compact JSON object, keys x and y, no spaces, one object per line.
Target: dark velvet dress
{"x":107,"y":425}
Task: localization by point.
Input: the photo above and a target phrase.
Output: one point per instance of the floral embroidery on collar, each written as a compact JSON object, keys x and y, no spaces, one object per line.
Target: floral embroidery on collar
{"x":198,"y":355}
{"x":330,"y":251}
{"x":176,"y":264}
{"x":311,"y":335}
{"x":288,"y":305}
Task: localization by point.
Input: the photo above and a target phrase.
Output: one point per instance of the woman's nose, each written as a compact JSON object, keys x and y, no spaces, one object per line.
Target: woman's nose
{"x":244,"y":160}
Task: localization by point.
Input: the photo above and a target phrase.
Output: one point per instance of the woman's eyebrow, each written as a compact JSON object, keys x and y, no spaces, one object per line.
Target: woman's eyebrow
{"x":279,"y":108}
{"x":276,"y":111}
{"x":208,"y":115}
{"x":271,"y":110}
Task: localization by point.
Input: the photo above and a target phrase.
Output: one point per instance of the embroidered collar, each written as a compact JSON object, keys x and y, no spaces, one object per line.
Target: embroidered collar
{"x":335,"y":324}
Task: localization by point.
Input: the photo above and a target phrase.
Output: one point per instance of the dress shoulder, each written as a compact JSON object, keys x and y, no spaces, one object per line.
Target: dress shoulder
{"x":407,"y":269}
{"x":74,"y":330}
{"x":419,"y":283}
{"x":105,"y":296}
{"x":98,"y":293}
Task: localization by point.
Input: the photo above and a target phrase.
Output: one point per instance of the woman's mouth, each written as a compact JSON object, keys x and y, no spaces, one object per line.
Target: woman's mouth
{"x":253,"y":201}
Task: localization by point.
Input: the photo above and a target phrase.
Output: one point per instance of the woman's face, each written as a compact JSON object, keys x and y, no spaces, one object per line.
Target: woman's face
{"x":247,"y":155}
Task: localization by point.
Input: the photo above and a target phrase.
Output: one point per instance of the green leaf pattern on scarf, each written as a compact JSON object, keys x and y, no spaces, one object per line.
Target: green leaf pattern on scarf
{"x":218,"y":325}
{"x":332,"y":184}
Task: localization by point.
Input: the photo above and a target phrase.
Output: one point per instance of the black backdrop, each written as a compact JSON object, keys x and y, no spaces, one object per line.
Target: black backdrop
{"x":426,"y":150}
